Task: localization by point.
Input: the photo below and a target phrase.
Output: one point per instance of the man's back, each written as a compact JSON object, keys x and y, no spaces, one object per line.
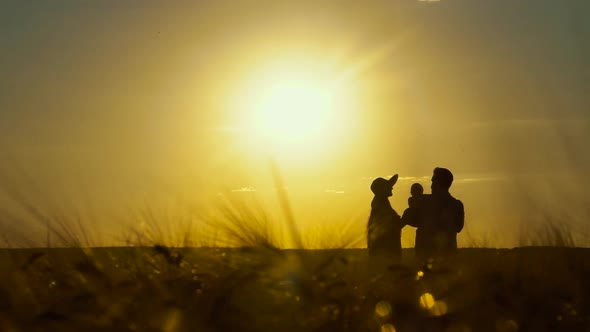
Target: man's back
{"x":438,"y":220}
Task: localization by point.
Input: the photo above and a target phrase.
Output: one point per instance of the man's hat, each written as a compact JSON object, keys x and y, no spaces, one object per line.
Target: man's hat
{"x":380,"y":185}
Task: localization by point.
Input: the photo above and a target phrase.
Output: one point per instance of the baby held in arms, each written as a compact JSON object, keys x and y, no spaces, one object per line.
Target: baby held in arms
{"x":416,"y":191}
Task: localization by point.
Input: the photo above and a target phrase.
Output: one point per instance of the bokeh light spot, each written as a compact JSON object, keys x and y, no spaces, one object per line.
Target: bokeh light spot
{"x":427,"y":301}
{"x":439,"y":308}
{"x":387,"y":328}
{"x":383,"y":309}
{"x":419,"y":275}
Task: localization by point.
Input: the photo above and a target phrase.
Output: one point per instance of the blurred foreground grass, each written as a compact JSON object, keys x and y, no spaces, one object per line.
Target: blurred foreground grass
{"x":262,"y":288}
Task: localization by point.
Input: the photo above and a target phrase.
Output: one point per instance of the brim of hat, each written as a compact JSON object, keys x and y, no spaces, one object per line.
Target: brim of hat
{"x":393,"y":179}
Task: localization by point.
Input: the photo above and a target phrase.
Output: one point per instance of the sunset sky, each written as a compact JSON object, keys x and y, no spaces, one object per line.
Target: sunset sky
{"x":152,"y":102}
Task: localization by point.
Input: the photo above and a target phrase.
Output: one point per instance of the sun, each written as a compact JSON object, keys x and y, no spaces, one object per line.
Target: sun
{"x":294,"y":109}
{"x":298,"y":110}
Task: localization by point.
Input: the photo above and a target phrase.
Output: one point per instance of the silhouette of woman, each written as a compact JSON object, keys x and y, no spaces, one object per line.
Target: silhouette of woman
{"x":384,"y":226}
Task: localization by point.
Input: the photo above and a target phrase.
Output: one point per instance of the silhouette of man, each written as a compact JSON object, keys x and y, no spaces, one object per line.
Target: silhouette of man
{"x":384,"y":226}
{"x":438,"y":217}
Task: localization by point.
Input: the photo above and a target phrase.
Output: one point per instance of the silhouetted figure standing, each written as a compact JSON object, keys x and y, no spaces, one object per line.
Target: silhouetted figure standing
{"x":384,"y":226}
{"x":438,"y":217}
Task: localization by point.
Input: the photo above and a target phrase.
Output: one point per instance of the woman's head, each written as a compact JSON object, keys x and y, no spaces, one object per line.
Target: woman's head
{"x":383,"y":187}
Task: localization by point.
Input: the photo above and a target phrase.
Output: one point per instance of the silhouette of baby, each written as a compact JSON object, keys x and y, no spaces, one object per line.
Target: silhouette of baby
{"x":416,"y":191}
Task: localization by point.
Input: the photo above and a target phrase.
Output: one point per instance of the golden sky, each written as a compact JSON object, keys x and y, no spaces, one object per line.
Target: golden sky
{"x":151,"y":101}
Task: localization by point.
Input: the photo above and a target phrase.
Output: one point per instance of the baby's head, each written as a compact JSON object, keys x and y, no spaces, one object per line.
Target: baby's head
{"x":416,"y":190}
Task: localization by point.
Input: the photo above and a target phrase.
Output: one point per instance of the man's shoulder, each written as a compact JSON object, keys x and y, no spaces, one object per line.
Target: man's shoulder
{"x":456,"y":203}
{"x":455,"y":199}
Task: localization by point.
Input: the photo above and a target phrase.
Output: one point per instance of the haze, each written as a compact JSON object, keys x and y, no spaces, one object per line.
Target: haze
{"x":109,"y":106}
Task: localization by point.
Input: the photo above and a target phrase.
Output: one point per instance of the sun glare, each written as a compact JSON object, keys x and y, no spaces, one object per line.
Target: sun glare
{"x":296,"y":110}
{"x":293,"y":110}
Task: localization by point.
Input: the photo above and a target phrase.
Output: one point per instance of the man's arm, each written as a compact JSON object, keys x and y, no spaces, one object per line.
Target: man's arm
{"x":452,"y":217}
{"x":460,"y":216}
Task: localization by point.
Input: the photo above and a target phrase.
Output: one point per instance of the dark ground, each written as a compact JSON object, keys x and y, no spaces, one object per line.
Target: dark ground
{"x":265,"y":289}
